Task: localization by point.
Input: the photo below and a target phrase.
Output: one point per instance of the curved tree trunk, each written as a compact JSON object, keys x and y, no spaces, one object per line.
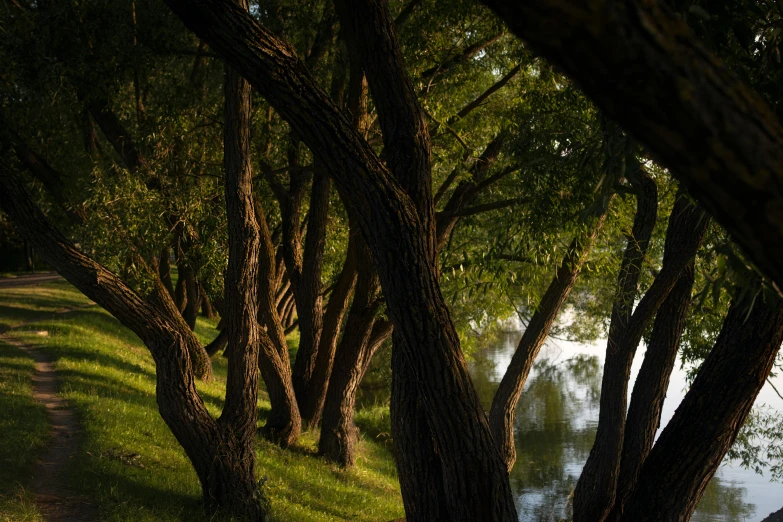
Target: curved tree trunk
{"x":218,"y":450}
{"x":333,"y":319}
{"x":706,"y":423}
{"x":240,"y":412}
{"x":687,"y":225}
{"x":218,"y":343}
{"x":307,"y":292}
{"x":338,"y":433}
{"x":180,"y":293}
{"x":504,"y":404}
{"x":164,"y":270}
{"x":395,"y":214}
{"x":595,"y":489}
{"x":190,"y":314}
{"x":649,"y":391}
{"x":284,"y":424}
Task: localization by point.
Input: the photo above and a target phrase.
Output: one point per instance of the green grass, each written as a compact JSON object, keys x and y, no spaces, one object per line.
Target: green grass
{"x":24,"y":431}
{"x":130,"y":465}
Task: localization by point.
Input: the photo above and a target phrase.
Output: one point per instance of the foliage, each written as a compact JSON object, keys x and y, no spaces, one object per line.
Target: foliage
{"x":130,"y":465}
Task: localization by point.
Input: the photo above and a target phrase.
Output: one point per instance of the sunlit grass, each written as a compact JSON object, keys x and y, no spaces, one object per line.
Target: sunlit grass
{"x":131,"y":466}
{"x":24,"y":431}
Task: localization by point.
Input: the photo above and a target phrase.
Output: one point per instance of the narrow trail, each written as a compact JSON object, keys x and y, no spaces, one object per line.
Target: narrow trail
{"x":55,"y":500}
{"x":30,"y":279}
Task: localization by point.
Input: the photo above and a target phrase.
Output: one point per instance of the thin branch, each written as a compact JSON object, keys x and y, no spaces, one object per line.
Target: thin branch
{"x":486,"y":94}
{"x":486,"y":207}
{"x":464,"y":55}
{"x":445,"y":185}
{"x":773,"y":387}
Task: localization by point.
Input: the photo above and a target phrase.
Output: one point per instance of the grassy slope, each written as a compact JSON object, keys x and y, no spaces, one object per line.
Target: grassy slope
{"x":131,"y":464}
{"x":24,"y":429}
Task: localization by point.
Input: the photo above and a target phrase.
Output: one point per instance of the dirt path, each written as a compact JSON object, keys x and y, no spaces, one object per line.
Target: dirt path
{"x":32,"y":279}
{"x":55,"y":500}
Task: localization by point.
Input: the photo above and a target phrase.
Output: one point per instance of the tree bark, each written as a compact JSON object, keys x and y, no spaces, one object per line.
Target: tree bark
{"x":180,"y":293}
{"x":687,"y":225}
{"x":706,"y":423}
{"x":213,"y":447}
{"x":240,"y":411}
{"x":218,"y":343}
{"x":595,"y":489}
{"x":164,"y":269}
{"x":284,"y":424}
{"x":206,"y":305}
{"x":646,"y":69}
{"x":649,"y":392}
{"x":398,"y":227}
{"x":504,"y":404}
{"x":192,"y":293}
{"x":306,"y":282}
{"x":338,"y":432}
{"x":333,"y":319}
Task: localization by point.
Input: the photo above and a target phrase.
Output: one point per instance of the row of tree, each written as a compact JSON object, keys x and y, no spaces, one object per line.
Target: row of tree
{"x":415,"y":174}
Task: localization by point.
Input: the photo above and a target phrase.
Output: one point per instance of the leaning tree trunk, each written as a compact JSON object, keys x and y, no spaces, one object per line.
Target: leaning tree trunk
{"x":418,"y":466}
{"x":224,"y":471}
{"x":687,"y":225}
{"x":327,"y":349}
{"x":643,"y":65}
{"x":595,"y":489}
{"x":395,"y":214}
{"x":338,"y":432}
{"x":284,"y":423}
{"x":693,"y":444}
{"x":504,"y":404}
{"x":190,"y":313}
{"x":649,"y":391}
{"x":309,"y":302}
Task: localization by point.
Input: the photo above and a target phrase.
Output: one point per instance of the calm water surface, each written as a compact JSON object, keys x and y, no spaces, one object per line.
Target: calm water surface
{"x":556,"y":422}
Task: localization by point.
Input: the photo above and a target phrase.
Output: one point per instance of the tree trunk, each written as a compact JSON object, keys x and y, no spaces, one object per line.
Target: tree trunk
{"x":777,"y":516}
{"x":649,"y":391}
{"x":219,"y":451}
{"x":164,"y":270}
{"x":284,"y":423}
{"x":338,"y":432}
{"x":693,"y":444}
{"x":206,"y":305}
{"x":504,"y":404}
{"x":193,"y":296}
{"x":333,"y":319}
{"x":418,"y":466}
{"x":28,"y":257}
{"x":180,"y":294}
{"x":309,"y":302}
{"x":643,"y":66}
{"x":595,"y":489}
{"x":687,"y":225}
{"x":396,"y":218}
{"x":218,"y":343}
{"x":240,"y":412}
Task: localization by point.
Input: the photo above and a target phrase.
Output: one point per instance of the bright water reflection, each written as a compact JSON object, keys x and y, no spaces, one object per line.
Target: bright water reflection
{"x":555,"y":427}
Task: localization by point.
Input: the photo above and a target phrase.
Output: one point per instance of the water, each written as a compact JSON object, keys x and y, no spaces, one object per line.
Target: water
{"x":556,"y":422}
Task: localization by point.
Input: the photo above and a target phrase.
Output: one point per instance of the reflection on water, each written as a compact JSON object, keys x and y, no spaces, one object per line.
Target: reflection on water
{"x":555,"y":427}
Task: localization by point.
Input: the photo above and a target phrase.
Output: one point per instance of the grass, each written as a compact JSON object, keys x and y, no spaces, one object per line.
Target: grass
{"x":24,"y":431}
{"x":130,"y":465}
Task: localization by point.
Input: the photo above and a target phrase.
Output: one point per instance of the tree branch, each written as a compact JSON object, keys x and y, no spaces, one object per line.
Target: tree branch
{"x":645,"y":68}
